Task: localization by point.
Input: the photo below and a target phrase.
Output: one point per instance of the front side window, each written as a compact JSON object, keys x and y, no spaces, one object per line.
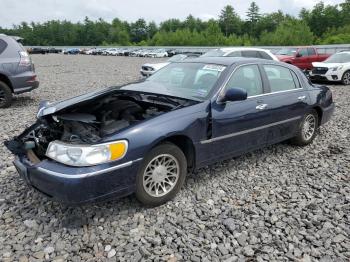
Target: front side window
{"x":303,"y":52}
{"x":247,"y":78}
{"x":280,"y":78}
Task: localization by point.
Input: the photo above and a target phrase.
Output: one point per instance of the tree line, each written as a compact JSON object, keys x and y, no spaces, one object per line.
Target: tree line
{"x":323,"y":24}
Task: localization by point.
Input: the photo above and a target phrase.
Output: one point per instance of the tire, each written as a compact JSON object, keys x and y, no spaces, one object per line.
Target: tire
{"x":346,"y":78}
{"x":307,"y":129}
{"x":152,"y":178}
{"x":5,"y":95}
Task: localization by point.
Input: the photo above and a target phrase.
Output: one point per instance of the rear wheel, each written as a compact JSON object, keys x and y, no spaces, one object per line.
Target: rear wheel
{"x":5,"y":95}
{"x":161,"y":175}
{"x":346,"y":78}
{"x":307,"y":129}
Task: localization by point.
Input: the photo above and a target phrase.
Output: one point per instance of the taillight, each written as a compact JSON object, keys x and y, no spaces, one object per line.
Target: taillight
{"x":24,"y":59}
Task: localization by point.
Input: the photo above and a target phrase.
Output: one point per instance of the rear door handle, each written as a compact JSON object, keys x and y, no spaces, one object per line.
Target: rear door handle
{"x":301,"y":98}
{"x":261,"y":106}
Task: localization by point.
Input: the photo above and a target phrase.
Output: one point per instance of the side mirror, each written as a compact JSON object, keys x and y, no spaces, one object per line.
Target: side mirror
{"x":233,"y":94}
{"x":298,"y":55}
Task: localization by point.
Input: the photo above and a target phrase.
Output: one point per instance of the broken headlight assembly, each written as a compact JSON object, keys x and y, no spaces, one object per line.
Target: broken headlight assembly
{"x":86,"y":155}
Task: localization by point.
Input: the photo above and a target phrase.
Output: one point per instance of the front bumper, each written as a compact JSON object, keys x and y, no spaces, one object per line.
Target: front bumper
{"x":329,"y":76}
{"x":146,"y":73}
{"x":76,"y":185}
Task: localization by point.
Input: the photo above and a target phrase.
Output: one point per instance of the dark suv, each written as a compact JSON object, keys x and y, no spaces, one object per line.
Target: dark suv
{"x":16,"y":70}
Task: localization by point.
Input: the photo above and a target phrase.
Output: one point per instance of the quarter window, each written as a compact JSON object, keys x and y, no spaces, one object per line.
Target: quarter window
{"x":3,"y":45}
{"x":280,"y":78}
{"x":247,"y":78}
{"x":264,"y":55}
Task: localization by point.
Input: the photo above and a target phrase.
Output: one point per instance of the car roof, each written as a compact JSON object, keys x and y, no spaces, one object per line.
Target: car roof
{"x":225,"y":60}
{"x":231,"y":49}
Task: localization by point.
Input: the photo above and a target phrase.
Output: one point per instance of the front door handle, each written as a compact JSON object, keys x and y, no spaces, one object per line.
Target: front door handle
{"x":261,"y":106}
{"x":301,"y":98}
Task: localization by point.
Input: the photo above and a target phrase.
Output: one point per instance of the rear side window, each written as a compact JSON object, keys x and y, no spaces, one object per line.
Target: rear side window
{"x":303,"y":52}
{"x":250,"y":53}
{"x":264,"y":55}
{"x":280,"y":78}
{"x":311,"y":51}
{"x":3,"y":46}
{"x":235,"y":54}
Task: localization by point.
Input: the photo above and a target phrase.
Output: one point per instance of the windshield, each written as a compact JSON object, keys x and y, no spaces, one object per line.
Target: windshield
{"x":338,"y":58}
{"x":214,"y":53}
{"x":189,"y":80}
{"x":287,"y":51}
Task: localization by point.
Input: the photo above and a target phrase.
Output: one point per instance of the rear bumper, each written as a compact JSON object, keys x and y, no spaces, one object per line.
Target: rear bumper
{"x":74,"y":185}
{"x":25,"y":82}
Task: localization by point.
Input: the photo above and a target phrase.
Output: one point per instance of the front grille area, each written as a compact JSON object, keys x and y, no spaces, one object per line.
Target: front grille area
{"x":319,"y":70}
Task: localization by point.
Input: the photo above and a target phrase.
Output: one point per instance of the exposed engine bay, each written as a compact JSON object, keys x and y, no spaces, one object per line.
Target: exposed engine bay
{"x":90,"y":121}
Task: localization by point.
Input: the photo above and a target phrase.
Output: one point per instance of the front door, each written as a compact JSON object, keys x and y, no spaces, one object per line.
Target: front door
{"x":239,"y":126}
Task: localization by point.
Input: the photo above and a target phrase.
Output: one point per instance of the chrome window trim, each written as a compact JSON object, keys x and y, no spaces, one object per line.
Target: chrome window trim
{"x":249,"y":130}
{"x":88,"y":174}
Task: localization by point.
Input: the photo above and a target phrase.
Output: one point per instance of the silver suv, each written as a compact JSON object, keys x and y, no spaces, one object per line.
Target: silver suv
{"x":17,"y":73}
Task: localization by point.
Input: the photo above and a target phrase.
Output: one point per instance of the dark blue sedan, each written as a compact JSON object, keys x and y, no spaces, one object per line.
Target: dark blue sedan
{"x":145,"y":137}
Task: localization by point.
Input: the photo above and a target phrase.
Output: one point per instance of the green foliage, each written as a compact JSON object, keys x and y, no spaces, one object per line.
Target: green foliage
{"x":289,"y":32}
{"x":324,"y":24}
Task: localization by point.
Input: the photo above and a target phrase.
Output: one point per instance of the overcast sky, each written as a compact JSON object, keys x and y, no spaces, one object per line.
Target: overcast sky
{"x":16,"y":11}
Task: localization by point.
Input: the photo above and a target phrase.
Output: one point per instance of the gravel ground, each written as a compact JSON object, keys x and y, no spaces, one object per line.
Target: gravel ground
{"x":278,"y":204}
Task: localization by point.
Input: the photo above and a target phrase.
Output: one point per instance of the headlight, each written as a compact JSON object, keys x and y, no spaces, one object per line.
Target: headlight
{"x":86,"y":155}
{"x":337,"y":68}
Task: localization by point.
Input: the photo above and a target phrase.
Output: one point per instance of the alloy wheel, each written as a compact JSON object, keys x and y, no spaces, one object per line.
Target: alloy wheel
{"x":161,"y":175}
{"x":309,"y":127}
{"x":346,"y":78}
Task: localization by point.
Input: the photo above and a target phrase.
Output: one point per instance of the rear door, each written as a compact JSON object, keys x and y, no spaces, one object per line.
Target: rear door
{"x":287,"y":101}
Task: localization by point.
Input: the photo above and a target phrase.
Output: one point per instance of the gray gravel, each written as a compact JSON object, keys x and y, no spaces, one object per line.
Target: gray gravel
{"x":277,"y":204}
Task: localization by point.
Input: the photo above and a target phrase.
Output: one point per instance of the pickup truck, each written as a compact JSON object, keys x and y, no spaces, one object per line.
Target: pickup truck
{"x":302,"y":57}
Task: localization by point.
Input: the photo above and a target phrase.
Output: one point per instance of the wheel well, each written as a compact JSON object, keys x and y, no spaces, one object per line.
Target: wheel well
{"x":4,"y":79}
{"x":187,"y":147}
{"x":319,"y":114}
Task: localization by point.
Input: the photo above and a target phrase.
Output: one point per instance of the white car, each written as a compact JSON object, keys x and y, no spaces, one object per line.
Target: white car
{"x":242,"y":52}
{"x":335,"y":68}
{"x":112,"y":51}
{"x":149,"y":69}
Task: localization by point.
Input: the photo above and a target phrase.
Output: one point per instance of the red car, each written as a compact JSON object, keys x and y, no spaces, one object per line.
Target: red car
{"x":302,"y":57}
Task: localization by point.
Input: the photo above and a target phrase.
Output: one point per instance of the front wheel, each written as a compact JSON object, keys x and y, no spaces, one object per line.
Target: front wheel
{"x":346,"y":78}
{"x":307,"y":129}
{"x":161,"y":175}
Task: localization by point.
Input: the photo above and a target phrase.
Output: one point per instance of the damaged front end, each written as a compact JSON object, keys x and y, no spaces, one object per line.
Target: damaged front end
{"x":88,"y":121}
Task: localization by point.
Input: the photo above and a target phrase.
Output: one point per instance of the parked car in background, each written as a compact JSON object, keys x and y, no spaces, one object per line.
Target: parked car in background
{"x":301,"y":57}
{"x":144,"y":137}
{"x":17,"y":74}
{"x":71,"y":51}
{"x":241,"y":52}
{"x":54,"y":50}
{"x":334,"y":68}
{"x":149,"y":69}
{"x":37,"y":50}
